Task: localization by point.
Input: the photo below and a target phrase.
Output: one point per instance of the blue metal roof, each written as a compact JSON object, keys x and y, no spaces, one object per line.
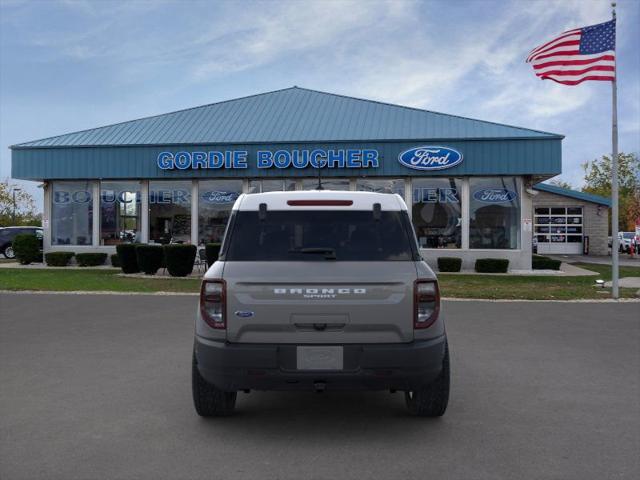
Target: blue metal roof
{"x":291,"y":115}
{"x":565,"y":192}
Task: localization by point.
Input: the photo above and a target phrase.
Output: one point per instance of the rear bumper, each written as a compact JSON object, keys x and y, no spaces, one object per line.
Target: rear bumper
{"x":405,"y":366}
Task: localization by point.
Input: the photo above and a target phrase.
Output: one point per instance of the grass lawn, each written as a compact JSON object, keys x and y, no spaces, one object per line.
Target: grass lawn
{"x":534,"y":287}
{"x":460,"y":286}
{"x":89,"y":280}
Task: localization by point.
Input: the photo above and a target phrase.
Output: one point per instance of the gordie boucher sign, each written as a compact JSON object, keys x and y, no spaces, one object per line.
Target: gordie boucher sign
{"x":417,"y":158}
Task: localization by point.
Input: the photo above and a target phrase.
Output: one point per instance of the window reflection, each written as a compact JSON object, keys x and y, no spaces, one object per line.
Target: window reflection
{"x":72,"y":213}
{"x":170,"y":212}
{"x":437,"y":212}
{"x":216,"y":198}
{"x":119,"y":212}
{"x":494,"y":213}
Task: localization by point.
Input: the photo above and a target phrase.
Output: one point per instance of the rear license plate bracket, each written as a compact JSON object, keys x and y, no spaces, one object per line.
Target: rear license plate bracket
{"x":320,"y":357}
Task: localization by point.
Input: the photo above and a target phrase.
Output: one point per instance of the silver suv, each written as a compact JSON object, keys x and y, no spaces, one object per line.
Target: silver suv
{"x":320,"y":290}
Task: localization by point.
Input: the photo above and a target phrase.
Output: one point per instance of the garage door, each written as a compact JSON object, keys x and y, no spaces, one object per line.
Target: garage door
{"x":558,"y":229}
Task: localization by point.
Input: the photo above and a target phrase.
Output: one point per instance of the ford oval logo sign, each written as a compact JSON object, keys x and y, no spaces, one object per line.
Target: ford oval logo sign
{"x":495,"y":195}
{"x":219,"y":197}
{"x":430,"y":158}
{"x":243,"y":314}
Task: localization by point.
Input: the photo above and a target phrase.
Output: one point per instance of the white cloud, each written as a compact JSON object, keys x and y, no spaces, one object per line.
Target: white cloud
{"x":286,"y":29}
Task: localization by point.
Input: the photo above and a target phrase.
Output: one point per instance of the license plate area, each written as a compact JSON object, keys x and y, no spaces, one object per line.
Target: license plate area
{"x":320,"y":358}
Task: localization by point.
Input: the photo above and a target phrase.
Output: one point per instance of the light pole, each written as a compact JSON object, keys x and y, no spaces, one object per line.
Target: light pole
{"x":14,"y":203}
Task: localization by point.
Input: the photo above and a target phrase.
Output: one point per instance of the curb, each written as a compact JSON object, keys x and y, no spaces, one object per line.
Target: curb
{"x":521,"y":300}
{"x":97,"y":292}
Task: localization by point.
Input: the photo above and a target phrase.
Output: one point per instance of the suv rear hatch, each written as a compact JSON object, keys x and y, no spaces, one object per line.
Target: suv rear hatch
{"x":319,"y":277}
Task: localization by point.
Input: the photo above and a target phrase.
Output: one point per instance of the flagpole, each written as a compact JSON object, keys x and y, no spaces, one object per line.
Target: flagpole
{"x":614,"y":177}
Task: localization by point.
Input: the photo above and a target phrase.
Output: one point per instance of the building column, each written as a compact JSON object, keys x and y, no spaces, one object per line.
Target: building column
{"x":466,"y":200}
{"x":526,"y":224}
{"x":95,"y":236}
{"x":144,"y":211}
{"x":408,"y":195}
{"x":194,"y":211}
{"x":46,"y":216}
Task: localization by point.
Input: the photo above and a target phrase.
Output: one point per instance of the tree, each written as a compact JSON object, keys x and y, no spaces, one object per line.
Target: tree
{"x":25,"y":207}
{"x":558,"y":182}
{"x":597,"y":179}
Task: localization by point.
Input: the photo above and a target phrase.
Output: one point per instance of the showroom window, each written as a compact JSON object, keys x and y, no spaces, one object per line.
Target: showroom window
{"x":437,"y":212}
{"x":119,"y":212}
{"x":381,"y":185}
{"x":170,"y":212}
{"x":327,"y":183}
{"x":261,"y":186}
{"x":216,"y":198}
{"x":494,"y":213}
{"x":72,"y":213}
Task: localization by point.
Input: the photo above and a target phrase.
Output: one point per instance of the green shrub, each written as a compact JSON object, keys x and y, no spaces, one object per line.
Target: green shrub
{"x":115,"y":260}
{"x":492,"y":265}
{"x":149,"y":258}
{"x":127,"y":257}
{"x":58,"y":259}
{"x":27,"y":248}
{"x":449,"y":264}
{"x":90,"y":259}
{"x":539,"y":262}
{"x":179,"y":259}
{"x":212,"y":251}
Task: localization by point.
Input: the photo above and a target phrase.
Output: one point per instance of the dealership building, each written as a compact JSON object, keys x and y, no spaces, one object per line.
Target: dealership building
{"x":473,"y":187}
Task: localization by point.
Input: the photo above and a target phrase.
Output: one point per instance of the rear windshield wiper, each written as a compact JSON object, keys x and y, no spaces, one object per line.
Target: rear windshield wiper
{"x":329,"y":253}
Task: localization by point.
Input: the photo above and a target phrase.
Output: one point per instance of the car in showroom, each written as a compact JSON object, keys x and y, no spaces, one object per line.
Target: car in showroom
{"x":7,"y":234}
{"x":320,"y":290}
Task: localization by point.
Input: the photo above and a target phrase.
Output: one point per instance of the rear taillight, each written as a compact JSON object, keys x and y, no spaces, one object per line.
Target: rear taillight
{"x":426,"y":303}
{"x":213,"y":303}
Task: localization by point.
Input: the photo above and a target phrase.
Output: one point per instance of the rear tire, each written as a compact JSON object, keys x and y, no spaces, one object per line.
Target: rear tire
{"x":208,"y":400}
{"x":431,"y":400}
{"x":8,"y":252}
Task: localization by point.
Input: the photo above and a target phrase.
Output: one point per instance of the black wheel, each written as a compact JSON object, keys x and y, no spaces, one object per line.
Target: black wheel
{"x":208,"y":400}
{"x":431,"y":400}
{"x":8,"y":252}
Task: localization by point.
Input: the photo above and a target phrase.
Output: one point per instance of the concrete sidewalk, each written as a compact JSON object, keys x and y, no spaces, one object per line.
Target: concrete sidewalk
{"x":624,"y":259}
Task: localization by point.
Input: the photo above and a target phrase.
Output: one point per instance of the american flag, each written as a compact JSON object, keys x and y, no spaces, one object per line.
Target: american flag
{"x":587,"y":53}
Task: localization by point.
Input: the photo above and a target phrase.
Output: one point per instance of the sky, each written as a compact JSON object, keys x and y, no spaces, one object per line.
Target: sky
{"x":72,"y":65}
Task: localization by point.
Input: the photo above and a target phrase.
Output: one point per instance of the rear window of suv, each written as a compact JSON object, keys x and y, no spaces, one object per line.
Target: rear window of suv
{"x":303,"y":235}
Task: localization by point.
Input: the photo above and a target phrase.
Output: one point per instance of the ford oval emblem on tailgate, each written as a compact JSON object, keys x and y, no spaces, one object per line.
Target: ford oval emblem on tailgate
{"x":244,"y":314}
{"x":430,"y":158}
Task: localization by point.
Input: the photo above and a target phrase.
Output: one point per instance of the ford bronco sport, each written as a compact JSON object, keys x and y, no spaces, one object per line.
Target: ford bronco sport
{"x":320,"y":290}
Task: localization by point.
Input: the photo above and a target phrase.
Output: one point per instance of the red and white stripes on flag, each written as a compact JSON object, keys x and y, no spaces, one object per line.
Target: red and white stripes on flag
{"x":577,"y":55}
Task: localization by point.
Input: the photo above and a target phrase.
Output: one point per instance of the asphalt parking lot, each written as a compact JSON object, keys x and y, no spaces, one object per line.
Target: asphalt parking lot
{"x":99,"y":387}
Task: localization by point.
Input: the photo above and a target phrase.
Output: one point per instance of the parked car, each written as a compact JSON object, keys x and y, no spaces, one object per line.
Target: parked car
{"x":319,"y":291}
{"x":625,"y":240}
{"x":7,"y":234}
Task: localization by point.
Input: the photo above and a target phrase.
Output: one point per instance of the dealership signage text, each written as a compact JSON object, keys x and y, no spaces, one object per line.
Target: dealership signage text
{"x":265,"y":159}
